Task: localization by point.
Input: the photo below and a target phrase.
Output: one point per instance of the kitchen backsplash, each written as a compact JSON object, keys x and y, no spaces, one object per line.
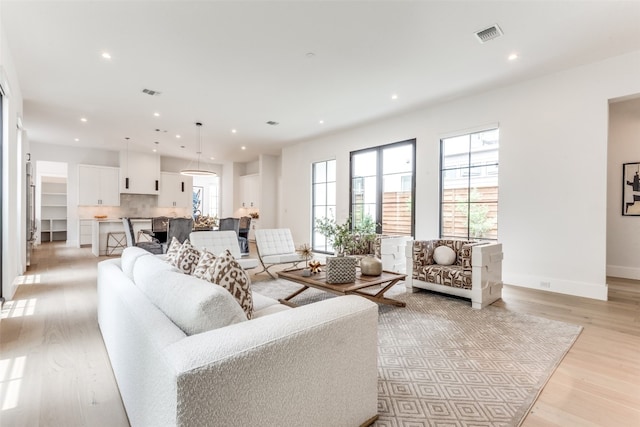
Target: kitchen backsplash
{"x":133,"y":206}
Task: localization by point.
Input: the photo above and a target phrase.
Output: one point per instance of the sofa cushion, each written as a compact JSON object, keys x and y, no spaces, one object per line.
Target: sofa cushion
{"x":187,"y":258}
{"x":204,"y":263}
{"x":172,"y":251}
{"x":192,"y":304}
{"x":447,"y":275}
{"x":227,"y":273}
{"x":129,"y":257}
{"x":444,"y":255}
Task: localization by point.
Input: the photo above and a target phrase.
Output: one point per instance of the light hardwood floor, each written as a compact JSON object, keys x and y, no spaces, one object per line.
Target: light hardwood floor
{"x":54,"y":370}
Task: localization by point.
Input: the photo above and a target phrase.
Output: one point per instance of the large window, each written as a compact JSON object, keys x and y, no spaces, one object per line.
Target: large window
{"x":323,"y":200}
{"x":469,"y":186}
{"x":382,"y":187}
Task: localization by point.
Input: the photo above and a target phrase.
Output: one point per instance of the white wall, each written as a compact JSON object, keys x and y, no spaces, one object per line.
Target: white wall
{"x":13,"y":160}
{"x":553,"y":170}
{"x":623,"y":232}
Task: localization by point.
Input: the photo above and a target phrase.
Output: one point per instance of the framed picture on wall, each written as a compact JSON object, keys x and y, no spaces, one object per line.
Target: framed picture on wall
{"x":631,"y":189}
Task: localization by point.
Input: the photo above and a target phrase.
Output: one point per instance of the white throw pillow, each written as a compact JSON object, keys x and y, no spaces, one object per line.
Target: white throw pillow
{"x":444,"y":255}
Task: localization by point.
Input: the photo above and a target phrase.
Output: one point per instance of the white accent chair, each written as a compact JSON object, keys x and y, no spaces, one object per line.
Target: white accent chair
{"x":275,"y":247}
{"x":217,"y":241}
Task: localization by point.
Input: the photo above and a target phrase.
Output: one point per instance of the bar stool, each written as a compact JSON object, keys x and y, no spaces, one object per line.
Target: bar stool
{"x":115,"y":240}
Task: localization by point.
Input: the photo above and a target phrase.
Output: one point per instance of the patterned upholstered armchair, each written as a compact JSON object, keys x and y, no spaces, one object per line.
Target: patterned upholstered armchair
{"x":476,"y":272}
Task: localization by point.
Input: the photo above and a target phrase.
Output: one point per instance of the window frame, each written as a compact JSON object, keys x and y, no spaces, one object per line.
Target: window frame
{"x":379,"y":180}
{"x":491,"y":168}
{"x":328,"y":249}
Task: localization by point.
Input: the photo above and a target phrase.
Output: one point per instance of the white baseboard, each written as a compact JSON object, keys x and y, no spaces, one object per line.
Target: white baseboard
{"x":579,"y":289}
{"x":623,"y":272}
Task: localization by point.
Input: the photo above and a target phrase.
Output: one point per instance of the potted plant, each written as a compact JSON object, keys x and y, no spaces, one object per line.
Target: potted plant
{"x":348,"y":239}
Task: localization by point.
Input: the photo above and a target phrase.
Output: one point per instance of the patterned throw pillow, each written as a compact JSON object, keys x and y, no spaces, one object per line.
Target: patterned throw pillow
{"x":226,"y":272}
{"x":187,"y":258}
{"x":174,"y":247}
{"x":204,"y":263}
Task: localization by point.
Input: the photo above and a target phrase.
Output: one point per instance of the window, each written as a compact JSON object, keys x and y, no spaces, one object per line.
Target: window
{"x":469,"y":186}
{"x":382,"y":187}
{"x":323,"y":201}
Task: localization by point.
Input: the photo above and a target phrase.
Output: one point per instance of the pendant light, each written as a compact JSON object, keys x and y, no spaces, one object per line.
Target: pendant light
{"x":198,"y":171}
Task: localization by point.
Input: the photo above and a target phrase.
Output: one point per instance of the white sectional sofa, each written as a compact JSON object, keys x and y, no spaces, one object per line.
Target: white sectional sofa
{"x":183,"y":353}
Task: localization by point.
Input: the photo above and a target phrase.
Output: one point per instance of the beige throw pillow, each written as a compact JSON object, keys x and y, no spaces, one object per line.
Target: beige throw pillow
{"x":226,"y":272}
{"x":204,"y":263}
{"x":444,"y":255}
{"x":187,"y":258}
{"x":174,"y":247}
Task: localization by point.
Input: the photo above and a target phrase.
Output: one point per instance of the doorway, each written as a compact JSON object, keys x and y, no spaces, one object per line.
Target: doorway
{"x":51,"y":201}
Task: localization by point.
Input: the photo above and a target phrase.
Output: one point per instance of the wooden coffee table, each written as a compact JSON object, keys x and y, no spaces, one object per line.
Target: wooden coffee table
{"x":319,"y":281}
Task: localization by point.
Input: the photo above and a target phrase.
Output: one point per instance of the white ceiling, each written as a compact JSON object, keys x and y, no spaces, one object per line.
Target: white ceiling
{"x":237,"y":65}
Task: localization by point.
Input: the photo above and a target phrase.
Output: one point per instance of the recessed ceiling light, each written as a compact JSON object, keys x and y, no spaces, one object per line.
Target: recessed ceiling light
{"x":106,"y":55}
{"x":156,"y":142}
{"x":513,"y":57}
{"x":321,"y":122}
{"x":83,"y":119}
{"x":157,"y":115}
{"x":76,"y":139}
{"x":234,"y":131}
{"x":212,"y":158}
{"x":178,"y":136}
{"x":155,"y":151}
{"x":182,"y":146}
{"x":394,"y":96}
{"x":310,"y":54}
{"x":243,"y":147}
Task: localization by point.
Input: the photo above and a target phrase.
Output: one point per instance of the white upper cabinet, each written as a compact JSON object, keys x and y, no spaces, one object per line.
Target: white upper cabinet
{"x":176,"y":191}
{"x":250,"y":191}
{"x":98,"y":186}
{"x":139,"y":173}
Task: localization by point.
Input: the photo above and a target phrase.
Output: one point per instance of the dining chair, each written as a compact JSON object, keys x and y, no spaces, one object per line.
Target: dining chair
{"x":234,"y":224}
{"x":154,"y":246}
{"x":180,"y":228}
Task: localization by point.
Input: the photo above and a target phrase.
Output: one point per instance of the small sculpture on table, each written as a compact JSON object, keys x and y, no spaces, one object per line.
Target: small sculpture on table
{"x":306,"y":253}
{"x":314,"y":266}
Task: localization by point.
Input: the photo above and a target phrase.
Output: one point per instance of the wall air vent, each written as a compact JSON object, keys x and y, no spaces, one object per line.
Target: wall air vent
{"x":493,"y":32}
{"x":151,"y":92}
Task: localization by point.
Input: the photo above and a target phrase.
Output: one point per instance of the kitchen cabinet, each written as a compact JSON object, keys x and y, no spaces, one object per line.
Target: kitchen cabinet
{"x":139,"y":173}
{"x":85,"y":231}
{"x":98,"y":186}
{"x":176,"y":191}
{"x":250,"y":191}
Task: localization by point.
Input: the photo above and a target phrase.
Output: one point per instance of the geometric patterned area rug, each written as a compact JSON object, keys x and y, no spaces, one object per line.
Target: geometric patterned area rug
{"x":441,"y":363}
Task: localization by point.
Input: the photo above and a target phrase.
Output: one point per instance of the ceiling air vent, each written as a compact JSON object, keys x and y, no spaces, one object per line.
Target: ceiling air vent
{"x":272,"y":123}
{"x":493,"y":32}
{"x":151,"y":92}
